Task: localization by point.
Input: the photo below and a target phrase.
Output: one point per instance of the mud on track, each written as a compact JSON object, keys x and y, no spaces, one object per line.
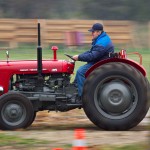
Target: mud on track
{"x":58,"y":129}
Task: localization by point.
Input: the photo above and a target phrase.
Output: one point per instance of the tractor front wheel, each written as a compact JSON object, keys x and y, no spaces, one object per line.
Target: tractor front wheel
{"x":115,"y":96}
{"x":16,"y":111}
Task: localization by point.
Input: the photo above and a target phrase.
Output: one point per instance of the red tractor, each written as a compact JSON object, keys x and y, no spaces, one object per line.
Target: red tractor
{"x":115,"y":93}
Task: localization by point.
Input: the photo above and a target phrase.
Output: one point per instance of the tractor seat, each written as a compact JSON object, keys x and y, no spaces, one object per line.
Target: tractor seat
{"x":121,"y":54}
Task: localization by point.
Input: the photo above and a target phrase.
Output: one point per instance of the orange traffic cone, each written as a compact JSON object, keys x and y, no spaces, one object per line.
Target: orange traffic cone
{"x":79,"y":143}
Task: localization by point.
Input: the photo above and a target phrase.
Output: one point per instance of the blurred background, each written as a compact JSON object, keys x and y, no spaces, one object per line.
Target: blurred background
{"x":65,"y":23}
{"x":79,"y":9}
{"x":127,"y":22}
{"x":136,"y":11}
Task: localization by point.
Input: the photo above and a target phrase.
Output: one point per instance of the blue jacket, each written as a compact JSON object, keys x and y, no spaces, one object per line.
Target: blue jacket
{"x":101,"y":46}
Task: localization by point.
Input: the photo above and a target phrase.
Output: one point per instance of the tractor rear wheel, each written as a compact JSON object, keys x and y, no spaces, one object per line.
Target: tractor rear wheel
{"x":115,"y":96}
{"x":16,"y":111}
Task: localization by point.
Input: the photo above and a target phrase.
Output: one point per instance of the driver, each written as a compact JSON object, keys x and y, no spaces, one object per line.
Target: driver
{"x":100,"y":49}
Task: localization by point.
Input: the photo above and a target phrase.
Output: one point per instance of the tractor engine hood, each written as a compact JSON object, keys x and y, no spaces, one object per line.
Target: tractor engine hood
{"x":30,"y":67}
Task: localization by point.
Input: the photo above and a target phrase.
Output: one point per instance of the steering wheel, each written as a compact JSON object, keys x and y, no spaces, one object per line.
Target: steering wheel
{"x":71,"y":57}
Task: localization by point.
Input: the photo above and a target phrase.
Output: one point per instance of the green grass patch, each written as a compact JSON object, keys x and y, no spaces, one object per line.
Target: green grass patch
{"x":11,"y":140}
{"x":132,"y":147}
{"x":18,"y":142}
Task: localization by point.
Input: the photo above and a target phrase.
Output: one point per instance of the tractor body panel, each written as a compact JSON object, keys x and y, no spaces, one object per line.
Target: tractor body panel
{"x":126,"y":61}
{"x":8,"y":69}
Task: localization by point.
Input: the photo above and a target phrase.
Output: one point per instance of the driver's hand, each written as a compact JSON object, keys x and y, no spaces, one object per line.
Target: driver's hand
{"x":75,"y":57}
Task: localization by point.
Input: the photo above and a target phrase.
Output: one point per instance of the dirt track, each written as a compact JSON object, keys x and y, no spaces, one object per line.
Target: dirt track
{"x":58,"y":129}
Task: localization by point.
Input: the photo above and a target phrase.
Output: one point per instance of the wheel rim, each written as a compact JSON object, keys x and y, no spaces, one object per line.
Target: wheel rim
{"x":115,"y":97}
{"x":13,"y":113}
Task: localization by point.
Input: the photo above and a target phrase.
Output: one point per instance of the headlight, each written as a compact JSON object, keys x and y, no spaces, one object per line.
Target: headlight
{"x":1,"y":89}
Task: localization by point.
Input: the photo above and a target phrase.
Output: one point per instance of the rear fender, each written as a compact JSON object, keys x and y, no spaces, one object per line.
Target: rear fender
{"x":126,"y":61}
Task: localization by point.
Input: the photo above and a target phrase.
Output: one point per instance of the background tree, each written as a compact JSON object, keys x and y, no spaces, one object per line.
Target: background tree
{"x":76,"y":9}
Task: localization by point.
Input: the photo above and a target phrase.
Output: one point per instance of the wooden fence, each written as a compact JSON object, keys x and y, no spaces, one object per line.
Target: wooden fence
{"x":69,"y":32}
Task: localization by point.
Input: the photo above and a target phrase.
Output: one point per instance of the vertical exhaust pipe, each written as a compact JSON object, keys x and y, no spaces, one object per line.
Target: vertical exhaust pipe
{"x":39,"y":53}
{"x":40,"y":80}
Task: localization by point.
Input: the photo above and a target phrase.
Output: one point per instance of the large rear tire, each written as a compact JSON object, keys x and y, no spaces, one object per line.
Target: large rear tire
{"x":16,"y":111}
{"x":115,"y":96}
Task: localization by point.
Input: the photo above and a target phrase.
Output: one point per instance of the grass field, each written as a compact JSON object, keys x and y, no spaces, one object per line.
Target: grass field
{"x":11,"y":142}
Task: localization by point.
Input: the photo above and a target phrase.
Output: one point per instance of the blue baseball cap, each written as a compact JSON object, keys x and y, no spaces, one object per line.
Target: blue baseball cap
{"x":96,"y":27}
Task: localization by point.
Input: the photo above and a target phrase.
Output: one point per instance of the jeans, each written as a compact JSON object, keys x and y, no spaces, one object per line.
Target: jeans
{"x":80,"y":77}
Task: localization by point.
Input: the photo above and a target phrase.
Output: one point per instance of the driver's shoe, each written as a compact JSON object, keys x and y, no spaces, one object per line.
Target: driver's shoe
{"x":78,"y":100}
{"x":75,"y":99}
